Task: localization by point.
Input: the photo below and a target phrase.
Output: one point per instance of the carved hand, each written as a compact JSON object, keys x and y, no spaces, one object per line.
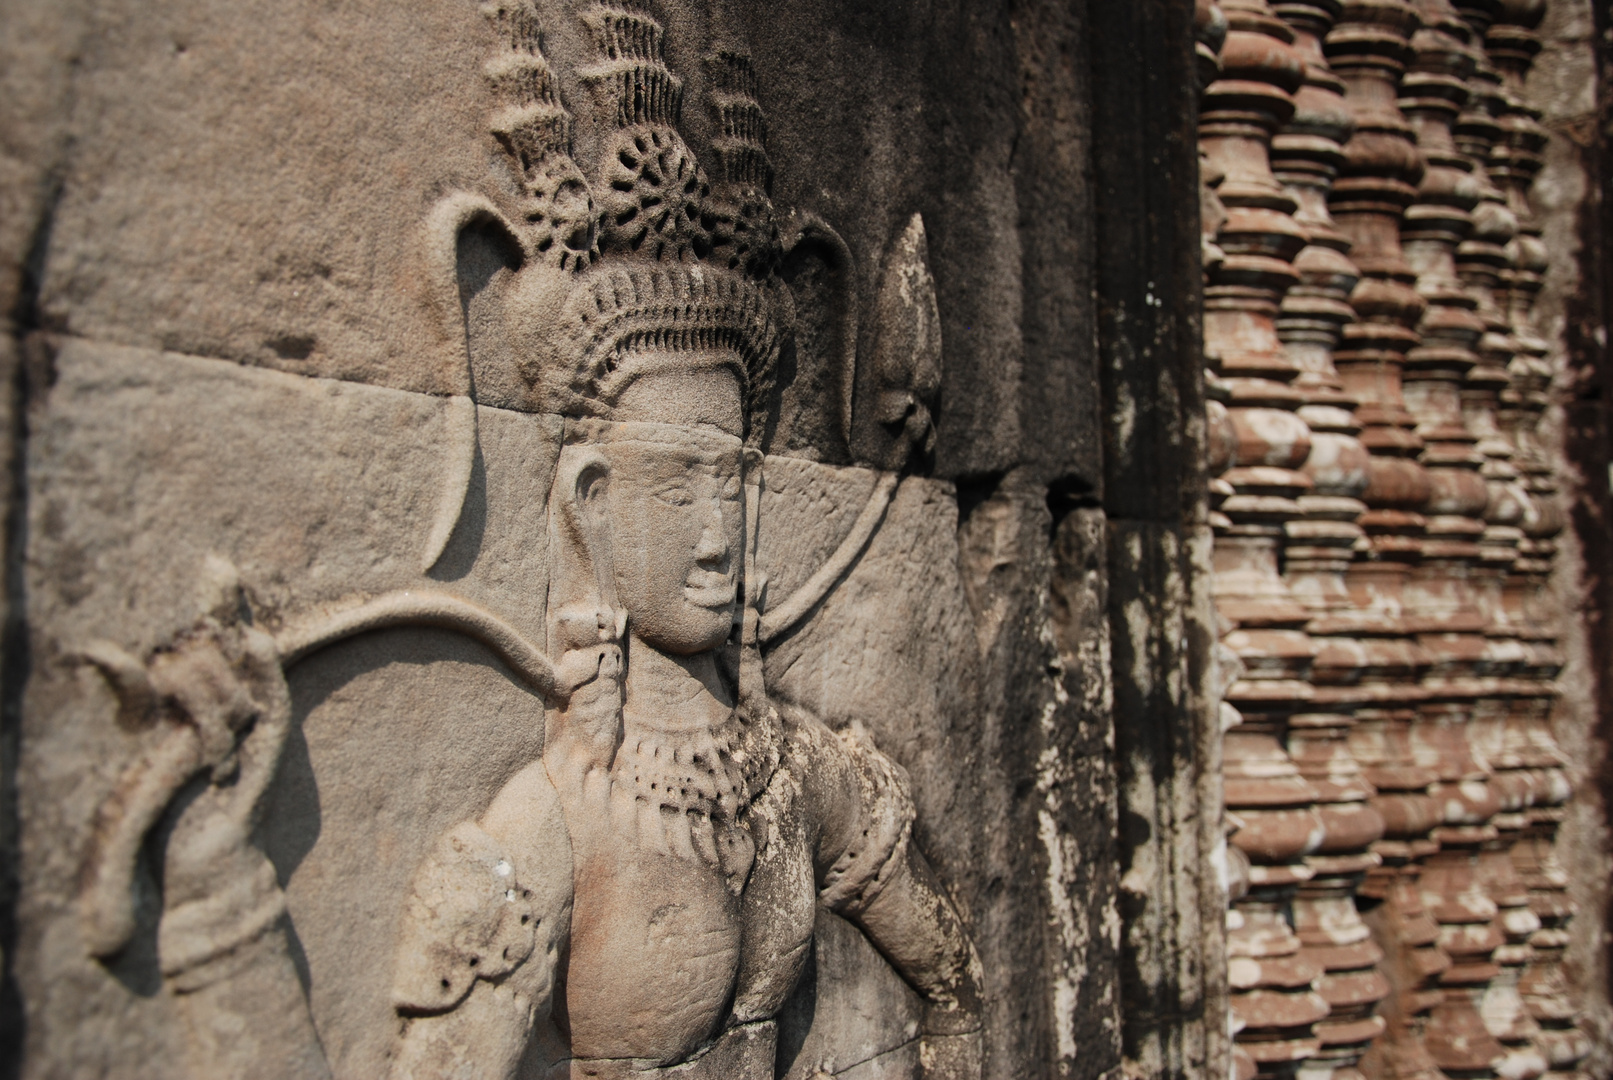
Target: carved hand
{"x":225,"y":684}
{"x":951,"y":1057}
{"x":584,"y":734}
{"x":219,"y":696}
{"x":593,"y":675}
{"x":483,"y":924}
{"x":878,"y":879}
{"x":912,"y":921}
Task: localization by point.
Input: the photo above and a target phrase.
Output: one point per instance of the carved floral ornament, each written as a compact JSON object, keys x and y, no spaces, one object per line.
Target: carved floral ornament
{"x":641,"y":899}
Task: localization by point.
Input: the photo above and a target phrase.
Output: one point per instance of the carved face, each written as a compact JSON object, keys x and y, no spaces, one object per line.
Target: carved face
{"x":676,"y":516}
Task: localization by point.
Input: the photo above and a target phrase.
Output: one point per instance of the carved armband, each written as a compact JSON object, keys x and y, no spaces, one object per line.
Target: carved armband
{"x":886,"y":809}
{"x":467,"y":916}
{"x":199,"y":941}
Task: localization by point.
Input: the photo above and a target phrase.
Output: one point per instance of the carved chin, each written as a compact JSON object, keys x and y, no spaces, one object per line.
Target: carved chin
{"x":696,"y":628}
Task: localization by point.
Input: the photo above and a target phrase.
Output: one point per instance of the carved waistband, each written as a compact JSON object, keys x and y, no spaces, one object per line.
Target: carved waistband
{"x":741,"y":1053}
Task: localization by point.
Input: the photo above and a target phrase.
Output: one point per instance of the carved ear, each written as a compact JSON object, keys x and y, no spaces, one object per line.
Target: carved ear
{"x":589,"y":491}
{"x":582,"y":583}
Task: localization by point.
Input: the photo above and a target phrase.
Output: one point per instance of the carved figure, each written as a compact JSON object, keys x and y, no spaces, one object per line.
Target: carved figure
{"x":641,"y":900}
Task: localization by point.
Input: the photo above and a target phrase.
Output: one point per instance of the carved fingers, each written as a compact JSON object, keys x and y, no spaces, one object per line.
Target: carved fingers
{"x":137,"y":699}
{"x":881,"y":882}
{"x":584,"y":735}
{"x":142,"y":793}
{"x":586,"y":731}
{"x":579,"y":667}
{"x":914,"y":923}
{"x":467,"y":917}
{"x":479,"y":938}
{"x":221,"y":681}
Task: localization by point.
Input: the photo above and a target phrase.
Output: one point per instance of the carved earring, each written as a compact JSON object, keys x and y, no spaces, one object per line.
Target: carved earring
{"x":583,"y":585}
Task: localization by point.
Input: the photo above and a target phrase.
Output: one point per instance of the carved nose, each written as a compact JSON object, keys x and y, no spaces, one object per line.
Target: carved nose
{"x":713,"y":545}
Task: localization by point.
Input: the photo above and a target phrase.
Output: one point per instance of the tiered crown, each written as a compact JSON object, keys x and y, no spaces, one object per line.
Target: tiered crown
{"x":642,"y":268}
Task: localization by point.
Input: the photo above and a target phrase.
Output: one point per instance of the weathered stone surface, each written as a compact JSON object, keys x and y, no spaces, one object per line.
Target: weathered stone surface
{"x":298,"y":394}
{"x":214,"y":205}
{"x":553,"y":538}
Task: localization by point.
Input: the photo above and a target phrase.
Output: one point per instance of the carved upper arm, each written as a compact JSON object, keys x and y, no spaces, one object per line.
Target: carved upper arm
{"x":490,"y":895}
{"x":863,"y":811}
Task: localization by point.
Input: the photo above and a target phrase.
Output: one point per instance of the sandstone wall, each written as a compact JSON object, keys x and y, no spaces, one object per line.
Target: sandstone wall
{"x":234,"y":339}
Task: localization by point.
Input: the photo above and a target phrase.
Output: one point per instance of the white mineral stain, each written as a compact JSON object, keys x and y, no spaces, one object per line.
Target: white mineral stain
{"x":1071,"y":938}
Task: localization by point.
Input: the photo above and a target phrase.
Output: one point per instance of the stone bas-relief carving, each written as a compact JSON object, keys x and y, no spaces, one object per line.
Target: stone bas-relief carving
{"x":638,"y":894}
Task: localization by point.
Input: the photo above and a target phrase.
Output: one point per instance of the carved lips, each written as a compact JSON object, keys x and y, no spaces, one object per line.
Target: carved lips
{"x":710,"y":588}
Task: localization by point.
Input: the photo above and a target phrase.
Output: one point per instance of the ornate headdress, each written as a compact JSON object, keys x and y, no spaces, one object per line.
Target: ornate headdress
{"x":646,"y":269}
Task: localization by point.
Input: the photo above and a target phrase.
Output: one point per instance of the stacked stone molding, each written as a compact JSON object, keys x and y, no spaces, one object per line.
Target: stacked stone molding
{"x":1317,"y":547}
{"x":1482,"y":258}
{"x":1514,"y":160}
{"x":1274,"y":977}
{"x":1384,"y":536}
{"x":1369,"y":48}
{"x":1441,"y":609}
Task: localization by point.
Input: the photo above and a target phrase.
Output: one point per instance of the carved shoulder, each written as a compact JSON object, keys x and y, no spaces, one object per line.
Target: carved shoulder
{"x":493,"y":893}
{"x":861,"y":805}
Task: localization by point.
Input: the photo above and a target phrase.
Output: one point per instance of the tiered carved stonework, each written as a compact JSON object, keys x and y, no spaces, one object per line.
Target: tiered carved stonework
{"x":1243,"y":950}
{"x":1247,"y":946}
{"x":1551,"y":1004}
{"x":1442,"y":605}
{"x":1515,"y":159}
{"x":1317,"y":549}
{"x":1368,"y":49}
{"x":1274,"y":999}
{"x":1482,"y":259}
{"x":1502,"y":1008}
{"x":1210,"y":30}
{"x":1420,"y":548}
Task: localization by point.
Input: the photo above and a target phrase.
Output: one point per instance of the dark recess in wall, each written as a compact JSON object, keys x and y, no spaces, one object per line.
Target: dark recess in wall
{"x":1144,"y":108}
{"x":1588,"y":427}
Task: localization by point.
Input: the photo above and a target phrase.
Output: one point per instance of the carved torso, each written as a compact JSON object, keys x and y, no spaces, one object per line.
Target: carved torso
{"x":688,"y":928}
{"x":662,"y":855}
{"x":655,"y":949}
